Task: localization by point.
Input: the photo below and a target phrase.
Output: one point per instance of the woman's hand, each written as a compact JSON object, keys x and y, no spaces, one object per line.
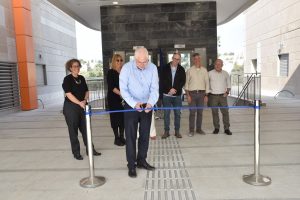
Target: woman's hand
{"x":82,"y":104}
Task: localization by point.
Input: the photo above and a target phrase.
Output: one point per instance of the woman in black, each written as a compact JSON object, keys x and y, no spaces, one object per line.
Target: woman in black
{"x":76,"y":96}
{"x":115,"y":100}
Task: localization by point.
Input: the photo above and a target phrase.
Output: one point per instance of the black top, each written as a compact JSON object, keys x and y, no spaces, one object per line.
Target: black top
{"x":166,"y":79}
{"x":114,"y":100}
{"x":77,"y":86}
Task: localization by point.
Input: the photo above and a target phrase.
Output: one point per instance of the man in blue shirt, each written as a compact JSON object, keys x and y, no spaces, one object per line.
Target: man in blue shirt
{"x":139,"y":88}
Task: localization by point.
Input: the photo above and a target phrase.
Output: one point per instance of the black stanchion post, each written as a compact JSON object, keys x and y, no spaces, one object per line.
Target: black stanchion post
{"x":92,"y":181}
{"x":257,"y":179}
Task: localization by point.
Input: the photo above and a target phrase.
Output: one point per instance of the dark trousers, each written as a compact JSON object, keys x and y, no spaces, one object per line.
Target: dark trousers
{"x":75,"y":119}
{"x":172,"y":102}
{"x":215,"y":100}
{"x":131,"y":120}
{"x":117,"y":120}
{"x":197,"y":101}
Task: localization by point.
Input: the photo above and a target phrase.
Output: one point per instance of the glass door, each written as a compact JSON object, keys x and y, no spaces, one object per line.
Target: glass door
{"x":185,"y":59}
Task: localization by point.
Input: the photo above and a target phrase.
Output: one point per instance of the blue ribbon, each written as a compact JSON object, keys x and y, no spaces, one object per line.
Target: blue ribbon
{"x":172,"y":108}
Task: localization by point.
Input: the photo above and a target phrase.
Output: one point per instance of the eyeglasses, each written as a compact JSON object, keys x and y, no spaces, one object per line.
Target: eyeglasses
{"x":142,"y":63}
{"x":176,"y":59}
{"x":119,"y":60}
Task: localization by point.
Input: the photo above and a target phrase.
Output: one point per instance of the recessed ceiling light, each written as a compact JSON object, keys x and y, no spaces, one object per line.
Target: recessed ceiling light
{"x":115,"y":2}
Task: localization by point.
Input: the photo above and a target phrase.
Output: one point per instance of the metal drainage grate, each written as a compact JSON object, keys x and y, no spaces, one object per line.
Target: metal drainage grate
{"x":170,"y":180}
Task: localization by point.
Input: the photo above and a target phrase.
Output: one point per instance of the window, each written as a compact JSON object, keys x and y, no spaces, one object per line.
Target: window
{"x":185,"y":59}
{"x":9,"y":87}
{"x":41,"y":75}
{"x":283,"y":64}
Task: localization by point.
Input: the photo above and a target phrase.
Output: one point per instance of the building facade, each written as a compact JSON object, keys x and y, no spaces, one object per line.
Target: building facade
{"x":273,"y":45}
{"x":160,"y":28}
{"x":36,"y":39}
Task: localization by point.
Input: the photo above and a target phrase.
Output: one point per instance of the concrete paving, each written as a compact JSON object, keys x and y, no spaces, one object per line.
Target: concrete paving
{"x":37,"y":164}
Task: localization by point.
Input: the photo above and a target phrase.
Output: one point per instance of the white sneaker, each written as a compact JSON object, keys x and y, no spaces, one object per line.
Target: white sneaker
{"x":191,"y":134}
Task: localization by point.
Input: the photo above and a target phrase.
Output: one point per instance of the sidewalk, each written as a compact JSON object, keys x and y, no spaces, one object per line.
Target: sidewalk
{"x":37,"y":163}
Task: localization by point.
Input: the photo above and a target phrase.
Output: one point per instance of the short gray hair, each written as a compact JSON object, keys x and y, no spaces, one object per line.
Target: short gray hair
{"x":141,"y":51}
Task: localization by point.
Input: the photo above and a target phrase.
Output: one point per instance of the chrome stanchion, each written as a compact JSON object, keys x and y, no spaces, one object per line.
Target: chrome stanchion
{"x":92,"y":181}
{"x":257,"y":179}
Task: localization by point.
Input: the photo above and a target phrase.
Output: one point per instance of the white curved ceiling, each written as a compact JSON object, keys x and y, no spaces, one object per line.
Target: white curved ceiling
{"x":87,"y":12}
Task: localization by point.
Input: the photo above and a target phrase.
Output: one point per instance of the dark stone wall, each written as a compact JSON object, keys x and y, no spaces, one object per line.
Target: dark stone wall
{"x":157,"y":26}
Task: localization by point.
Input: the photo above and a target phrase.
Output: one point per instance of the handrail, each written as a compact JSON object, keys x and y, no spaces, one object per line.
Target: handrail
{"x":251,"y":89}
{"x":244,"y":89}
{"x":97,"y":91}
{"x":275,"y":97}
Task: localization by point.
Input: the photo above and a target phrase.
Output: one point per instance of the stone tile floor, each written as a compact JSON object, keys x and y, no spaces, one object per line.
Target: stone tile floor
{"x":36,"y":162}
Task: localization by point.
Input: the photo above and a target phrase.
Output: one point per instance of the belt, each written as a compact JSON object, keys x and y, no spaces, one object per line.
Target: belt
{"x":217,"y":94}
{"x":198,"y":91}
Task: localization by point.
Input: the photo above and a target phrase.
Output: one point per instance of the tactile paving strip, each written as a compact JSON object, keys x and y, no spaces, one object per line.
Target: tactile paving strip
{"x":170,"y":180}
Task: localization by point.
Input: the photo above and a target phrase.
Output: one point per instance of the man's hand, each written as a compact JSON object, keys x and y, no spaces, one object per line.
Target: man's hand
{"x":189,"y":99}
{"x":225,"y":94}
{"x":172,"y":91}
{"x":148,"y":108}
{"x":139,"y":106}
{"x":205,"y":99}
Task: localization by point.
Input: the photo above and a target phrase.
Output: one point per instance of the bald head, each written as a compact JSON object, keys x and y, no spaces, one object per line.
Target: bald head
{"x":141,"y":57}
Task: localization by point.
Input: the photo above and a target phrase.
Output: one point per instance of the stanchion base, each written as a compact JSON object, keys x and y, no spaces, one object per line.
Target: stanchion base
{"x":92,"y":182}
{"x":258,"y":180}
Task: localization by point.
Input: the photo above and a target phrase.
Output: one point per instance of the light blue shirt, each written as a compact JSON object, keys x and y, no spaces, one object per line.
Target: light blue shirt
{"x":138,"y":85}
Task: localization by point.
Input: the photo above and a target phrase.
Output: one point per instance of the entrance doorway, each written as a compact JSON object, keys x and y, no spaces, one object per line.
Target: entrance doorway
{"x":185,"y":59}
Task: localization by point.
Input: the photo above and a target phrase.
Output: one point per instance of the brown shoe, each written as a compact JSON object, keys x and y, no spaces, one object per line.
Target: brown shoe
{"x":165,"y":135}
{"x":178,"y":135}
{"x":201,"y":132}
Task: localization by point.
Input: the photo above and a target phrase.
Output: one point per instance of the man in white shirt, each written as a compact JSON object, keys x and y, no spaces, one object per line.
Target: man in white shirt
{"x":219,"y":81}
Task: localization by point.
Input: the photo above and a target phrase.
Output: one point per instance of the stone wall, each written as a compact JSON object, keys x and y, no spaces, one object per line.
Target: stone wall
{"x":159,"y":26}
{"x":273,"y":28}
{"x":54,"y":37}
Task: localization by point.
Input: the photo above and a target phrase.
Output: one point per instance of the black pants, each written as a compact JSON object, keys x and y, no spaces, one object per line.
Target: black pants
{"x":131,"y":123}
{"x":75,"y":118}
{"x":117,"y":120}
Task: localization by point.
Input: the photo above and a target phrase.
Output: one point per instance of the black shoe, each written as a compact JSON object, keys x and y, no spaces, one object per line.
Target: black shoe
{"x":228,"y":132}
{"x":200,"y":132}
{"x":78,"y":157}
{"x":118,"y":142}
{"x":132,"y":173}
{"x":165,"y":135}
{"x":177,"y":134}
{"x":145,"y":165}
{"x":123,"y":141}
{"x":216,"y":131}
{"x":95,"y":153}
